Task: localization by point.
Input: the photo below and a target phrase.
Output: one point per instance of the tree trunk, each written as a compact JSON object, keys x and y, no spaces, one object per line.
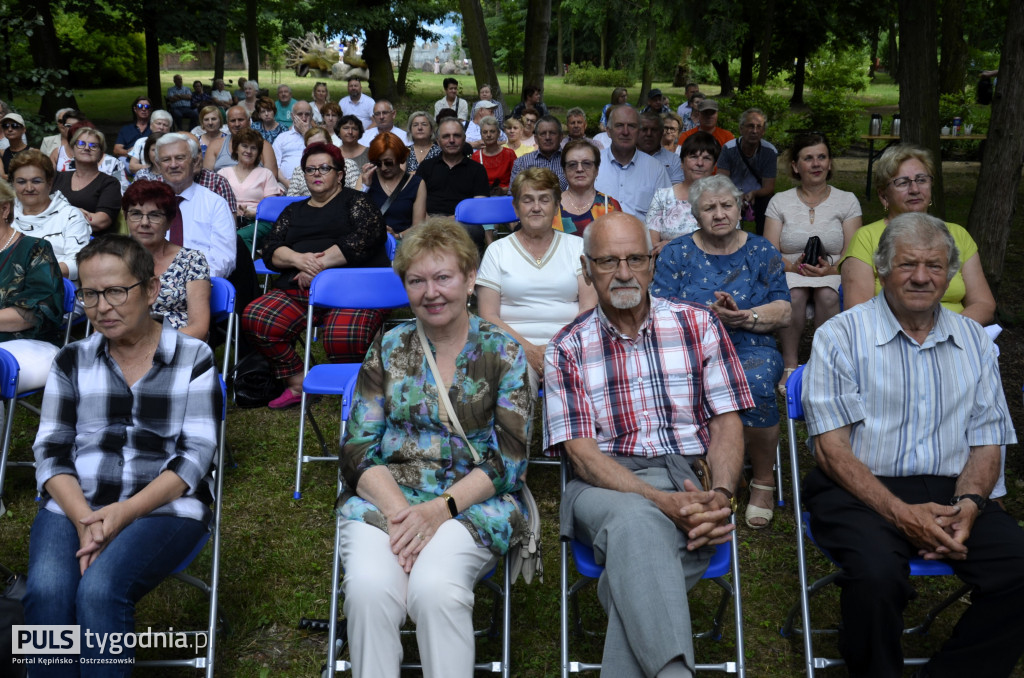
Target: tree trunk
{"x":604,"y":41}
{"x":919,"y":85}
{"x":46,"y":54}
{"x":218,"y":55}
{"x":403,"y":68}
{"x":995,"y":197}
{"x":153,"y":89}
{"x":893,"y":53}
{"x":378,"y":61}
{"x":572,"y":45}
{"x":953,"y":50}
{"x":747,"y":63}
{"x":535,"y":44}
{"x":252,"y":38}
{"x":874,"y":54}
{"x":558,"y":41}
{"x":648,"y":71}
{"x":799,"y":76}
{"x":724,"y":80}
{"x":766,"y":22}
{"x":474,"y":32}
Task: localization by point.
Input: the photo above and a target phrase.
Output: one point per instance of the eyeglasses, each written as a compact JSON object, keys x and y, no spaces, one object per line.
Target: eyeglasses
{"x":142,"y":107}
{"x":581,"y":164}
{"x":321,"y":169}
{"x":155,"y":218}
{"x":91,"y":145}
{"x":12,"y":125}
{"x":903,"y":183}
{"x":636,"y":262}
{"x":115,"y":296}
{"x":385,"y":163}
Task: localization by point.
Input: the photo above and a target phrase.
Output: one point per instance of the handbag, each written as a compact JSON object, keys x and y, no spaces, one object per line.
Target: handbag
{"x":813,"y":250}
{"x":11,"y":614}
{"x":254,"y":383}
{"x":525,"y":555}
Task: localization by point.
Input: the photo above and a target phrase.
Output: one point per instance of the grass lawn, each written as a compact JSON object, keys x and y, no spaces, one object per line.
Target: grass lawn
{"x":277,"y":551}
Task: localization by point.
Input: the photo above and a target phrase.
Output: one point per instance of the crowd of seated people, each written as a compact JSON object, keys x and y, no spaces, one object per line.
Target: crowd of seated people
{"x":623,"y":243}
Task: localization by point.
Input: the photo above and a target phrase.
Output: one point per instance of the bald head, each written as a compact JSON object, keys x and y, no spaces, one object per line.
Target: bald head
{"x":617,"y":262}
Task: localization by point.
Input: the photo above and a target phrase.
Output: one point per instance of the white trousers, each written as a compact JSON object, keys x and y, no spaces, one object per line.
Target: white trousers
{"x":437,"y":595}
{"x":34,"y":358}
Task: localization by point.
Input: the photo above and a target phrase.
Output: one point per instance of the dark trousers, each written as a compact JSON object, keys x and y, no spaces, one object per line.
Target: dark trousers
{"x":874,"y":556}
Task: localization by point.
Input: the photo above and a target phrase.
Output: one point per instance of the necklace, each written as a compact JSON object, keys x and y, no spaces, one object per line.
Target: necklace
{"x":579,"y":208}
{"x":13,"y":235}
{"x":530,"y":250}
{"x":810,"y":207}
{"x":387,"y":190}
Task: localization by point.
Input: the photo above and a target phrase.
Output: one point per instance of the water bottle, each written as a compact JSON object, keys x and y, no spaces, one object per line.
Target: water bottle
{"x":895,"y":124}
{"x":957,"y":125}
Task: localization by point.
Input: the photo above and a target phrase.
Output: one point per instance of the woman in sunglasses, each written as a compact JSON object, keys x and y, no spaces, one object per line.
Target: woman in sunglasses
{"x":336,"y":227}
{"x":96,"y":194}
{"x":139,"y":127}
{"x":13,"y":126}
{"x":400,"y":197}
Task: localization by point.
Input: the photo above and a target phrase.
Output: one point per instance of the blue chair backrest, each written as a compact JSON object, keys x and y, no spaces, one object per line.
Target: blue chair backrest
{"x":391,"y":247}
{"x":69,"y":295}
{"x":222,"y":299}
{"x":269,"y":209}
{"x":496,"y":210}
{"x":9,"y":370}
{"x":794,"y":392}
{"x":358,"y":288}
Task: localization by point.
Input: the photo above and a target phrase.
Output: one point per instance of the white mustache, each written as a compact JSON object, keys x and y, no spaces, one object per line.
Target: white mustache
{"x":618,"y":285}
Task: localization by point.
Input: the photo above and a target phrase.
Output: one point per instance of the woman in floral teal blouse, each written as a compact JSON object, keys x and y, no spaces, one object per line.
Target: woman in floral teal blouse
{"x":425,"y":515}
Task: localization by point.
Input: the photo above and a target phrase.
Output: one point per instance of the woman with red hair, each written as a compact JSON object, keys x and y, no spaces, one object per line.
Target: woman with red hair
{"x":150,"y":207}
{"x":400,"y":197}
{"x":335,"y":227}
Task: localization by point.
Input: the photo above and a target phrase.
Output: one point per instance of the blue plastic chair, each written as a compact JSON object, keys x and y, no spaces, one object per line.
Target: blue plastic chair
{"x":9,"y":371}
{"x":359,"y":288}
{"x":391,"y":247}
{"x":222,"y":307}
{"x":269,"y":209}
{"x":724,"y":561}
{"x":918,"y":566}
{"x":486,"y":211}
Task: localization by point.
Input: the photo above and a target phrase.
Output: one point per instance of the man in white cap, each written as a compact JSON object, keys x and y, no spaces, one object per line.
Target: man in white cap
{"x":481,"y":110}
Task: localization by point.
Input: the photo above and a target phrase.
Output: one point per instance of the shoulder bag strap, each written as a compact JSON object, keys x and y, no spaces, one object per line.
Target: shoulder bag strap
{"x":753,"y":170}
{"x":442,"y":389}
{"x":391,"y":198}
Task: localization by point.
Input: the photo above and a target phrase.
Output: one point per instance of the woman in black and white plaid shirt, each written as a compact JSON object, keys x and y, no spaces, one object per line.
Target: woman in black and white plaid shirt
{"x":123,"y":454}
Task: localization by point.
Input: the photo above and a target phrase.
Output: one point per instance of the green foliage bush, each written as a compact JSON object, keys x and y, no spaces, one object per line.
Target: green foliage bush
{"x":775,"y":107}
{"x":838,"y":69}
{"x":100,"y":59}
{"x":956,"y":105}
{"x":588,"y":74}
{"x":834,"y":113}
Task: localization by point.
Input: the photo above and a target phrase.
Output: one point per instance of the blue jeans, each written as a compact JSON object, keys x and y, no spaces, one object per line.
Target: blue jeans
{"x":103,"y":599}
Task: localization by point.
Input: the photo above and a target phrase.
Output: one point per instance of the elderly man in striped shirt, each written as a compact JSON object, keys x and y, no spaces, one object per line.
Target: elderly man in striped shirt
{"x":907,"y":406}
{"x":637,"y":390}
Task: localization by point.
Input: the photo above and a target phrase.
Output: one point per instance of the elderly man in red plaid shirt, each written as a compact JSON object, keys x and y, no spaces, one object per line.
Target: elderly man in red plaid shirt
{"x":636,"y":390}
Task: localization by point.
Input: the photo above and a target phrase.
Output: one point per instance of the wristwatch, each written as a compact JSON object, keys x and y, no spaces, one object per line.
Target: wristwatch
{"x":756,"y":317}
{"x":728,"y":495}
{"x":976,"y":498}
{"x":453,"y":510}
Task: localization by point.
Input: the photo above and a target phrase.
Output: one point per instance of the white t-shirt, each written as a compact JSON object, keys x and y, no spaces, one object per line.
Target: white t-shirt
{"x":537,"y":300}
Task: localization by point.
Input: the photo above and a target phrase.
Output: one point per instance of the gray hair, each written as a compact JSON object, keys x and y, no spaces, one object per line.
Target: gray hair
{"x":281,"y":87}
{"x":177,"y":137}
{"x":576,"y":112}
{"x":61,"y":113}
{"x":551,"y":120}
{"x":916,"y":229}
{"x":255,"y":85}
{"x":489,"y":120}
{"x":161,"y":114}
{"x":749,"y":112}
{"x":391,"y":106}
{"x":716,"y":184}
{"x":420,"y":114}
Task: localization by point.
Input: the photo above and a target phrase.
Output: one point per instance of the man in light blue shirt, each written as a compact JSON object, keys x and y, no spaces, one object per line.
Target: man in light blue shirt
{"x":626,"y":173}
{"x":907,"y":406}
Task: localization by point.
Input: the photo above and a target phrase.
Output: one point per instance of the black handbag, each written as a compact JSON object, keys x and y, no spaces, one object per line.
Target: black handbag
{"x":813,"y":250}
{"x":11,"y":614}
{"x":254,"y":383}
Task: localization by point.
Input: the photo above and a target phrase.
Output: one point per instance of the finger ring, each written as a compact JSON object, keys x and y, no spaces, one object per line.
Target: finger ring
{"x":420,"y":536}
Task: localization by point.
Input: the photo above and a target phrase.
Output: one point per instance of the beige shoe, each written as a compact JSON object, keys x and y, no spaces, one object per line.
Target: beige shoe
{"x":752,"y":512}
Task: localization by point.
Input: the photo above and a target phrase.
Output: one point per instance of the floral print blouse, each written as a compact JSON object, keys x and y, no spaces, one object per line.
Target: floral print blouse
{"x":395,"y":421}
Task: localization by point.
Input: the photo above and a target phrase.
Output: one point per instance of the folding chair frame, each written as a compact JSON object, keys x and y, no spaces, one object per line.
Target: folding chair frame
{"x":583,"y":553}
{"x":918,"y":566}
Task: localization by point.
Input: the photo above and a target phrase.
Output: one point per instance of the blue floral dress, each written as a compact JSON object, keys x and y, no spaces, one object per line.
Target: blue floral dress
{"x":172,"y":301}
{"x":754,"y":275}
{"x":395,"y":421}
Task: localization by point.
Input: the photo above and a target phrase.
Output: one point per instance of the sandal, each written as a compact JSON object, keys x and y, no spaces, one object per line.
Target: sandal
{"x":780,"y":388}
{"x":753,"y":512}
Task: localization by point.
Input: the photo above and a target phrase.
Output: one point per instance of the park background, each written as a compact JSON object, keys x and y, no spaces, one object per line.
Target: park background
{"x":809,"y":65}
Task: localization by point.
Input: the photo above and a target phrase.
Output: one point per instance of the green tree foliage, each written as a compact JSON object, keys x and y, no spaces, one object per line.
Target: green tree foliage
{"x":835,"y":67}
{"x":100,"y":58}
{"x":586,"y":74}
{"x":504,"y":20}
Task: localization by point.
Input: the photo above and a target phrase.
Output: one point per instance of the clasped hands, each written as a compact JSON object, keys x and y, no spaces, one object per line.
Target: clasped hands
{"x":703,"y":516}
{"x":810,"y":270}
{"x":729,"y":313}
{"x":938,"y":531}
{"x":412,"y":527}
{"x":98,"y":529}
{"x":308,"y":265}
